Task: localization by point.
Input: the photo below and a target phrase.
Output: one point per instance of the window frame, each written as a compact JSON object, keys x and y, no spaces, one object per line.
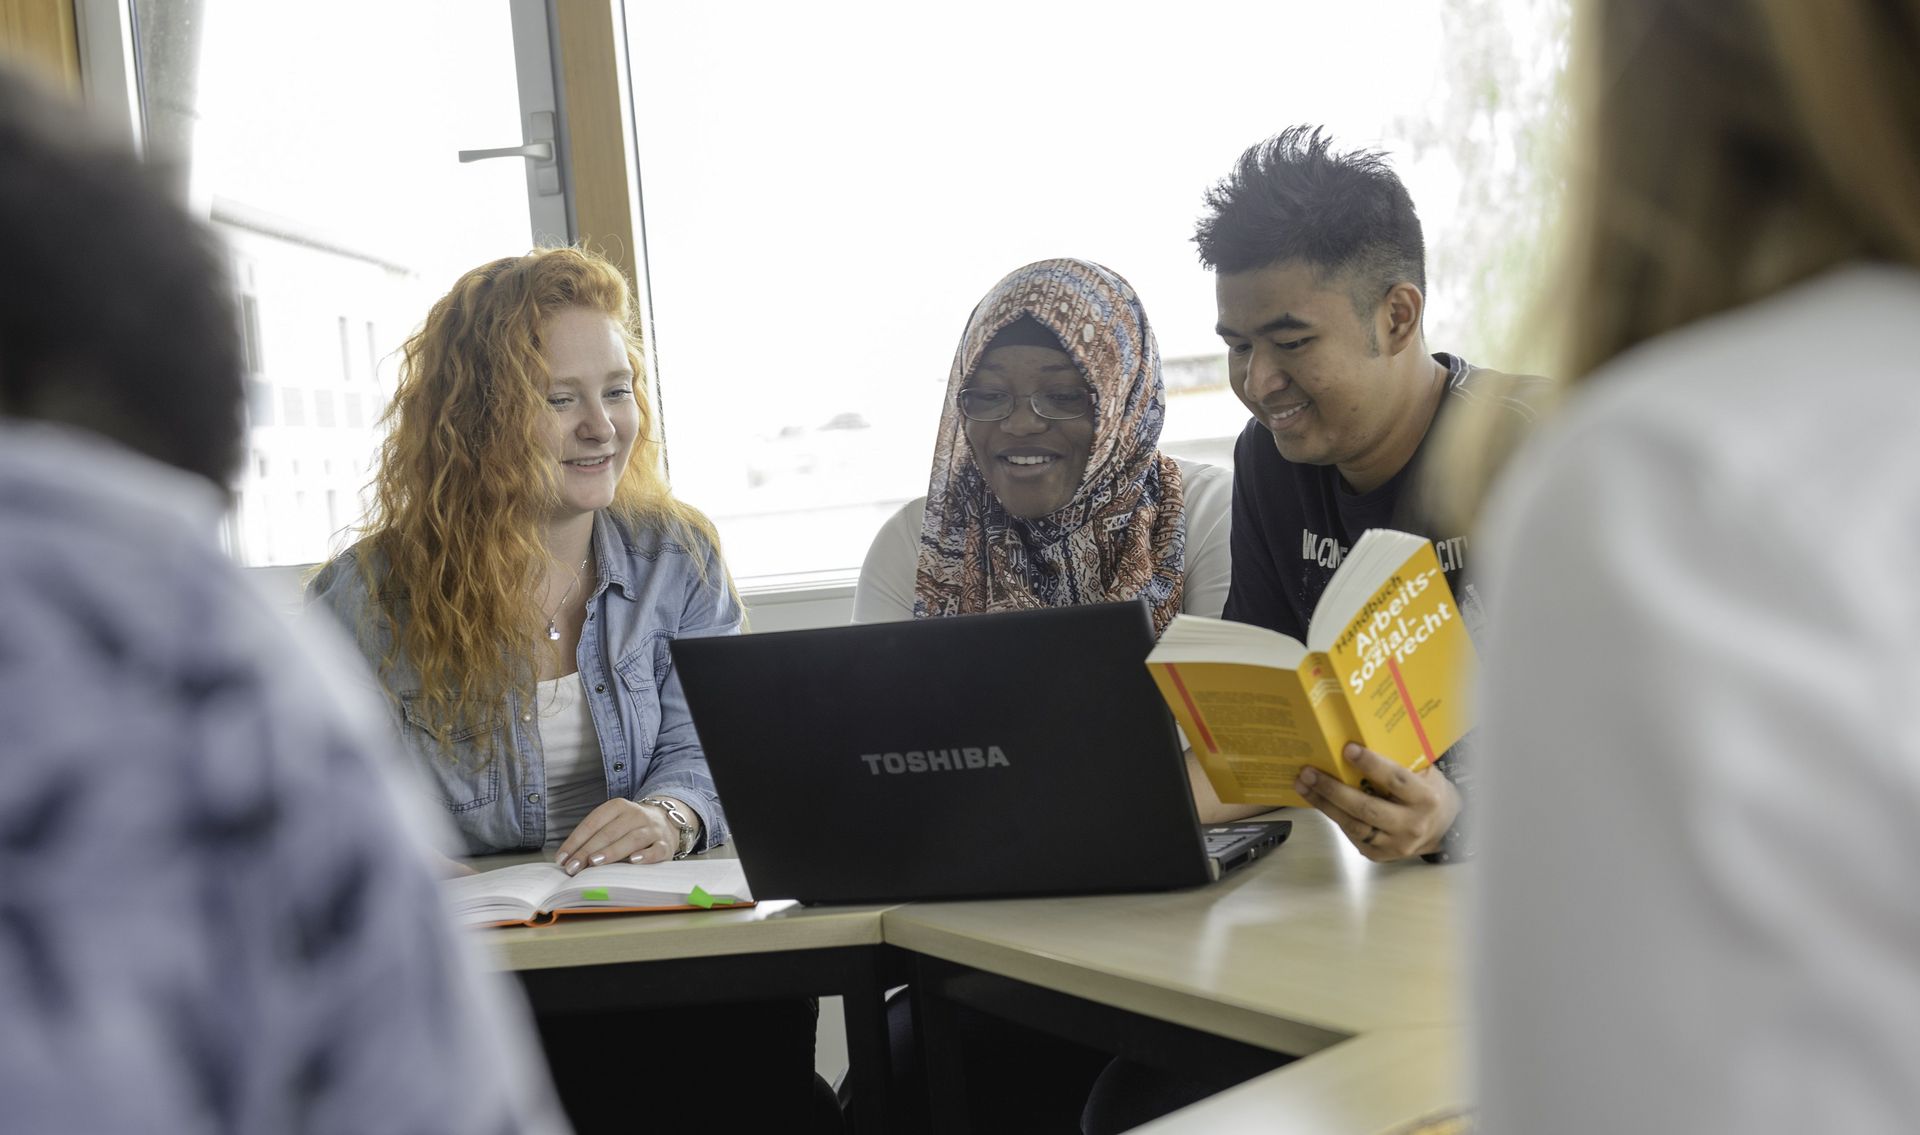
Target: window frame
{"x":577,"y":53}
{"x":109,"y":74}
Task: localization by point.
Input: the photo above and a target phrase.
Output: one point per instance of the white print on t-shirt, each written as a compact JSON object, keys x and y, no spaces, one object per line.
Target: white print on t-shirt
{"x":1323,"y":550}
{"x":1328,"y":552}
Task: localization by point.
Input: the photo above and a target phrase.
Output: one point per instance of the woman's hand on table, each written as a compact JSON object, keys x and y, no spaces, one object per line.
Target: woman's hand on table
{"x":1406,"y":814}
{"x":619,"y":831}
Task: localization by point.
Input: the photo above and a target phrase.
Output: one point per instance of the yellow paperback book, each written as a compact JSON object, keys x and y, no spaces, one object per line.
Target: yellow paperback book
{"x":1387,"y":663}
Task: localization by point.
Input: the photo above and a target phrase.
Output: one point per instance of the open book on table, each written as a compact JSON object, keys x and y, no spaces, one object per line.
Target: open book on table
{"x":1387,"y":663}
{"x":535,"y":894}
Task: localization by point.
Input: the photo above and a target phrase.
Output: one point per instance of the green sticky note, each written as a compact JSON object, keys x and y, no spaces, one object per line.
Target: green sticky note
{"x":594,"y":894}
{"x":700,"y":898}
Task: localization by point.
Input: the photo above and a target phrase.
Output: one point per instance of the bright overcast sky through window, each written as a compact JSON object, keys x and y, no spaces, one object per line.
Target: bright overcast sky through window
{"x":828,"y":191}
{"x":829,"y":188}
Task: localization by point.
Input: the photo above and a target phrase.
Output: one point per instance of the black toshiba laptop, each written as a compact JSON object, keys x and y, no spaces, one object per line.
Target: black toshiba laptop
{"x":1023,"y":753}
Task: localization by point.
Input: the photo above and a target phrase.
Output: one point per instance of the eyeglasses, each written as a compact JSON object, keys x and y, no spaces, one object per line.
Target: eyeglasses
{"x":1060,"y":405}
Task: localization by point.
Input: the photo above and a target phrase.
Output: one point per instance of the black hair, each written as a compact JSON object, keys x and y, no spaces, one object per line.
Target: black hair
{"x":115,"y":314}
{"x":1291,"y":198}
{"x":1025,"y":331}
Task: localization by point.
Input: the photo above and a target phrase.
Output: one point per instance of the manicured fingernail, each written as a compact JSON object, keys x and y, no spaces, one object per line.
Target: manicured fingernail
{"x":1351,"y":751}
{"x":635,"y":857}
{"x":1308,"y":777}
{"x":572,"y":866}
{"x":597,"y":860}
{"x":560,"y":860}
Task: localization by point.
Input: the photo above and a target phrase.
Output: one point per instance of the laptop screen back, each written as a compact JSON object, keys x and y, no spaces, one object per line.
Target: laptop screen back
{"x":1003,"y":754}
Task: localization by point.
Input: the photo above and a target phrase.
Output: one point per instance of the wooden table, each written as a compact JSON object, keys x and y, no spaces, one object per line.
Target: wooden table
{"x":771,"y":926}
{"x":1382,"y":1083}
{"x":1311,"y":952}
{"x":1298,"y":954}
{"x":773,"y":949}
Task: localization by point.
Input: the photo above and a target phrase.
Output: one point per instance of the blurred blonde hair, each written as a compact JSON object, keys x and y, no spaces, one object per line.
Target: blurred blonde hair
{"x":1724,"y":150}
{"x":466,"y":482}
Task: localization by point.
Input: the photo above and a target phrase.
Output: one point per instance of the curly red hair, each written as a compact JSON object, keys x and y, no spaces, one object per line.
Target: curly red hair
{"x":465,"y":482}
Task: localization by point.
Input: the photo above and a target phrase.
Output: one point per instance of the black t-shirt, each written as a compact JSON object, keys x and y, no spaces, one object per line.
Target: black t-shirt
{"x":1293,"y":524}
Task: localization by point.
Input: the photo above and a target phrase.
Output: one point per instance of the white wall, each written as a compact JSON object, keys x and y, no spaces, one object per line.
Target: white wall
{"x":788,"y":609}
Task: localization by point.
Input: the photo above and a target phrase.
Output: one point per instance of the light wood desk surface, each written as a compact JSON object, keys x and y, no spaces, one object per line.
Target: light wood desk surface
{"x":1372,"y":1085}
{"x":768,"y":926}
{"x":1311,"y":951}
{"x":1294,"y":953}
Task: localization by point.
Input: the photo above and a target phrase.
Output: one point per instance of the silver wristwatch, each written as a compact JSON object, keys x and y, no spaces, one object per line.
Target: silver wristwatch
{"x":677,"y":816}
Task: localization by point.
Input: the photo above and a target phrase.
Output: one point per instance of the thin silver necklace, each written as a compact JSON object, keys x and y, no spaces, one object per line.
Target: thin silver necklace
{"x":553,"y":620}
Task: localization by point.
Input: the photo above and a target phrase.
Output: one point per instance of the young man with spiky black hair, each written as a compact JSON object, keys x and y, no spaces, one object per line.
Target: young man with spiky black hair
{"x":1321,"y":288}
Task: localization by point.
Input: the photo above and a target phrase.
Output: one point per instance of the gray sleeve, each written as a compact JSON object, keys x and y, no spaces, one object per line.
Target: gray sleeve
{"x":679,"y":765}
{"x":885,"y":593}
{"x":219,"y":914}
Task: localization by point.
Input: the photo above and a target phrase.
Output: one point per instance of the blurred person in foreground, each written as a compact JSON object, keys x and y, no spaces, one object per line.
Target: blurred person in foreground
{"x":216,"y":915}
{"x":1702,"y":812}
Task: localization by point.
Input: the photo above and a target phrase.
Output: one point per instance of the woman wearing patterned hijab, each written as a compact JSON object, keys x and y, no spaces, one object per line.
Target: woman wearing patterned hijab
{"x":1049,"y":489}
{"x":1048,"y":486}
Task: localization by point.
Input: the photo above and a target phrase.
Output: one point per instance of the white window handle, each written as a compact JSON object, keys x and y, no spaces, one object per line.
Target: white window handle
{"x":538,"y":149}
{"x":541,"y":151}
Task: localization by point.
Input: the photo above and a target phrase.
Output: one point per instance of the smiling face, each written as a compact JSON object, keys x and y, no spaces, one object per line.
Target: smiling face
{"x":1333,"y":387}
{"x":1032,"y":464}
{"x":593,"y":415}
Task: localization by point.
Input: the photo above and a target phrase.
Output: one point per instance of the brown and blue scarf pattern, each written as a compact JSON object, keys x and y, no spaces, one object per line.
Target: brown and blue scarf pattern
{"x":1122,"y":535}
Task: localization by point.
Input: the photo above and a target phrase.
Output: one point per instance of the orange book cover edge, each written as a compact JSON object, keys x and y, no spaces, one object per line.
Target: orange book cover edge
{"x":553,"y":916}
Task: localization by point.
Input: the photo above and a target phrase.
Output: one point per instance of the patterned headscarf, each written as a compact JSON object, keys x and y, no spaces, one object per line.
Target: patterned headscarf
{"x":1121,"y":535}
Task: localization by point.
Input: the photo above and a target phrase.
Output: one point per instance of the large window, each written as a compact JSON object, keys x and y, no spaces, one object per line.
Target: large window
{"x":321,"y":141}
{"x":829,"y":191}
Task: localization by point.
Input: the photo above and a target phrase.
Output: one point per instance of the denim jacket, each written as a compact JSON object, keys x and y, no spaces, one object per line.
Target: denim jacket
{"x":648,"y":590}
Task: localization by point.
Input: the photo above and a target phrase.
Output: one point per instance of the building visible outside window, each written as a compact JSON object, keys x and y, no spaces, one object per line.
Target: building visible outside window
{"x":322,"y":145}
{"x":346,"y":352}
{"x":251,"y":350}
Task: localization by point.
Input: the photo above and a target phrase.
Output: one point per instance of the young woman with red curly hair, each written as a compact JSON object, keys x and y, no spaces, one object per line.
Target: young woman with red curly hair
{"x":522,"y":574}
{"x":525,"y":567}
